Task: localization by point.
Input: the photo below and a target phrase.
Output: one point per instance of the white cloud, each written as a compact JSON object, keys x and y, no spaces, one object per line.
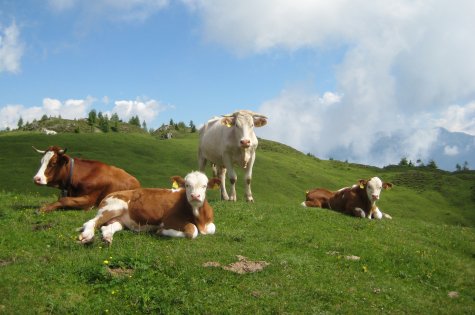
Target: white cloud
{"x":69,"y":109}
{"x":403,"y":61}
{"x":147,"y":110}
{"x":303,"y":119}
{"x":451,"y":150}
{"x":458,"y":118}
{"x":11,"y":49}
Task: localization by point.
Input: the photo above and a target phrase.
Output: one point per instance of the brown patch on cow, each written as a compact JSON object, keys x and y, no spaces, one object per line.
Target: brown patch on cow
{"x":41,"y":227}
{"x":242,"y":266}
{"x":453,"y":294}
{"x":120,"y":272}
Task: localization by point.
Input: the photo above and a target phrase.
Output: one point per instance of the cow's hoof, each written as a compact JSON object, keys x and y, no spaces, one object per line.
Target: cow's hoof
{"x":86,"y":238}
{"x":107,"y":240}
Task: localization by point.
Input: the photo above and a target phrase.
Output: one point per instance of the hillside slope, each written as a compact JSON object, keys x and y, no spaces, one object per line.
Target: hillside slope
{"x":281,"y":174}
{"x":317,"y":261}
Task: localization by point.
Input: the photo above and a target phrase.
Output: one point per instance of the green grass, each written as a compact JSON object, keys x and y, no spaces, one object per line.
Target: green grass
{"x":407,"y":265}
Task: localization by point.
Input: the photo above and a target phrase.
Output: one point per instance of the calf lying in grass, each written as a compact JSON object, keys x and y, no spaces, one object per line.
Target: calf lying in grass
{"x":358,"y":200}
{"x":181,"y":212}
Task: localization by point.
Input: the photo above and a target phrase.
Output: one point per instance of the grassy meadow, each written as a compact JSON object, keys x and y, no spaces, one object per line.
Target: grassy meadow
{"x":316,"y":261}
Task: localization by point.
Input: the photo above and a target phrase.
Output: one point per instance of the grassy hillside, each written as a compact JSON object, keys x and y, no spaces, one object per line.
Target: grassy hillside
{"x":410,"y":264}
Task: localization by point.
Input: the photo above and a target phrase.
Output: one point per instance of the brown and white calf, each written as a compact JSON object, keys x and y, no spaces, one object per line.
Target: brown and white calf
{"x":358,"y":200}
{"x":227,"y":141}
{"x":83,"y":182}
{"x":181,"y":212}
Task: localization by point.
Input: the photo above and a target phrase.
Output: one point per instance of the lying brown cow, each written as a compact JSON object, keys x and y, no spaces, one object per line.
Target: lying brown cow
{"x":181,"y":212}
{"x":359,"y":200}
{"x":83,"y":182}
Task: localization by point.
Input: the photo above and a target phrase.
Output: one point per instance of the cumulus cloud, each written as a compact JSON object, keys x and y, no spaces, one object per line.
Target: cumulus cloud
{"x":403,"y":61}
{"x":458,"y":118}
{"x":451,"y":150}
{"x":147,"y":110}
{"x":11,"y":49}
{"x":68,"y":109}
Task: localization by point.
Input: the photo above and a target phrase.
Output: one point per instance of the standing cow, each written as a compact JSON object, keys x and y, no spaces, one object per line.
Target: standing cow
{"x":83,"y":182}
{"x":229,"y":140}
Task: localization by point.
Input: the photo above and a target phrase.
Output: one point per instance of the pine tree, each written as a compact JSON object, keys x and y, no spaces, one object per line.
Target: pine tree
{"x":20,"y":123}
{"x":92,"y":117}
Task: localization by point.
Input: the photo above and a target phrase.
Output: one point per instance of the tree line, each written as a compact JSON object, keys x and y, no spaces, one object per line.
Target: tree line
{"x":431,"y":165}
{"x":105,"y":123}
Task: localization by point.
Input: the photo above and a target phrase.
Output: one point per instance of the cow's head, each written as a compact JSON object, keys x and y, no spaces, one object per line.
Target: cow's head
{"x":373,"y":187}
{"x":52,"y":163}
{"x":243,"y":122}
{"x":195,"y":184}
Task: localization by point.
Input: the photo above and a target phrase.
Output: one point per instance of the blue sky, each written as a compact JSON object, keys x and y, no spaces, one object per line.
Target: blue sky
{"x":328,"y":74}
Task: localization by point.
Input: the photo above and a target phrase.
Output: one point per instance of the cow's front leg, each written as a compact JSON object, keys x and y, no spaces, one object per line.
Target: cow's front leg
{"x":248,"y":179}
{"x":222,"y":177}
{"x":232,"y":179}
{"x":208,"y":228}
{"x":358,"y":212}
{"x":377,"y":214}
{"x":109,"y":230}
{"x":83,"y":202}
{"x":88,"y":229}
{"x":189,"y":231}
{"x":110,"y":208}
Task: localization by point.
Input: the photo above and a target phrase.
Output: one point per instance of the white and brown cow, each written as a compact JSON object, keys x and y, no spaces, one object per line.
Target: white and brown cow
{"x":83,"y":182}
{"x":181,"y":212}
{"x":358,"y":200}
{"x":227,"y":141}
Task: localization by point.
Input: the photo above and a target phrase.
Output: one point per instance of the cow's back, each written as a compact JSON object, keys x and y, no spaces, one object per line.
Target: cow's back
{"x":94,"y":176}
{"x":156,"y":205}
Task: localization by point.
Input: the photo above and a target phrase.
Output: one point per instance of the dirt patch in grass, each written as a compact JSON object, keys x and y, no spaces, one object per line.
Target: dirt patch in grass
{"x":4,"y":262}
{"x":242,"y":266}
{"x":120,"y":272}
{"x":42,"y":226}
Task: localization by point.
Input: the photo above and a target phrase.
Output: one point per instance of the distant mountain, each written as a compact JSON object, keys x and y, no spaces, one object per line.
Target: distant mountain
{"x":452,"y":148}
{"x":446,"y":148}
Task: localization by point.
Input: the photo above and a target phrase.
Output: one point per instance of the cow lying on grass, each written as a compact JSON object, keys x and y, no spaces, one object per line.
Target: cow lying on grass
{"x":181,"y":212}
{"x":358,"y":200}
{"x":83,"y":183}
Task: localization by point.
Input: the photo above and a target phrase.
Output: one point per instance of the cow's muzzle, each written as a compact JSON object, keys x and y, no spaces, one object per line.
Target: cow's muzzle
{"x":245,"y":143}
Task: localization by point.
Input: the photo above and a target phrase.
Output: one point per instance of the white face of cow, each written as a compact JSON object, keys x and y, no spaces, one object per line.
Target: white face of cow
{"x":373,"y":188}
{"x":195,"y":185}
{"x":40,"y":177}
{"x":243,"y":123}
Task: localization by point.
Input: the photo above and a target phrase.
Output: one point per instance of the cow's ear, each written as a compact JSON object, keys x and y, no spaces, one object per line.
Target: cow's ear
{"x":387,"y":185}
{"x":177,"y":182}
{"x":228,"y":121}
{"x":260,"y":121}
{"x":362,"y":182}
{"x":214,"y":183}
